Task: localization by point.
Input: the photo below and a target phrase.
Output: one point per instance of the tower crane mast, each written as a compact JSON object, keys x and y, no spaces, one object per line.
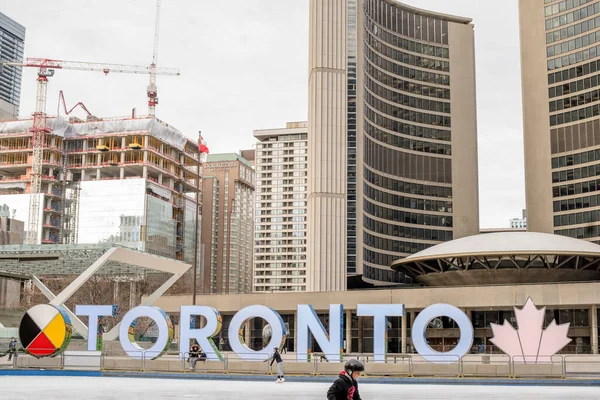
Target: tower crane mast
{"x":152,"y":88}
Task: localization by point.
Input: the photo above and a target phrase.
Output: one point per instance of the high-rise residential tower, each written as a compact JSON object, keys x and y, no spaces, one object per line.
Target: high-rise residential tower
{"x":227,"y":224}
{"x":411,"y":134}
{"x":560,"y":57}
{"x":280,"y":238}
{"x":12,"y":44}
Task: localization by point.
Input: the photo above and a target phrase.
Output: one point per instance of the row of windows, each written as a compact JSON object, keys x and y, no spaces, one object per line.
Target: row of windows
{"x":572,"y":30}
{"x":577,"y":188}
{"x":574,"y":137}
{"x":575,"y":101}
{"x":406,"y":58}
{"x":563,"y":6}
{"x":572,"y":73}
{"x":575,"y":173}
{"x":280,"y":174}
{"x":279,"y":219}
{"x":580,"y":233}
{"x":406,"y":143}
{"x":574,"y":58}
{"x":573,"y":87}
{"x":407,"y":23}
{"x":406,"y":217}
{"x":401,"y":43}
{"x":410,"y":166}
{"x":404,"y":99}
{"x":407,"y":187}
{"x":394,"y":68}
{"x":576,"y":204}
{"x":410,"y":203}
{"x":573,"y":16}
{"x":412,"y":87}
{"x":382,"y":259}
{"x":576,"y":115}
{"x":406,"y":115}
{"x":279,"y":242}
{"x":397,"y":246}
{"x":405,"y":232}
{"x":576,"y":159}
{"x":407,"y":129}
{"x":385,"y":275}
{"x":573,"y":44}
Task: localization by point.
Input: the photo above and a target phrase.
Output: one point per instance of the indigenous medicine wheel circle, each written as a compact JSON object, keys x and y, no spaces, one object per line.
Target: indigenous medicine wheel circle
{"x":45,"y":330}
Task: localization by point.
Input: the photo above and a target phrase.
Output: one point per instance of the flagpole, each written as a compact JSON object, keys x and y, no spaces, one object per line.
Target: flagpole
{"x":195,"y":290}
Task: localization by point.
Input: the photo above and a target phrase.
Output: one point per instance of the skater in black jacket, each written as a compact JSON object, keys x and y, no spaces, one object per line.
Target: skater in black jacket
{"x":276,"y":358}
{"x":346,"y":385}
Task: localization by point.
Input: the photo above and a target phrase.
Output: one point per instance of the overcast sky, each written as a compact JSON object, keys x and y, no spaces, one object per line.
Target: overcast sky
{"x":244,"y":66}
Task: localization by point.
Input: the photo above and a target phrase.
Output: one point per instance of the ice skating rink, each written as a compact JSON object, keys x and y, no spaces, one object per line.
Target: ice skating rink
{"x":70,"y":388}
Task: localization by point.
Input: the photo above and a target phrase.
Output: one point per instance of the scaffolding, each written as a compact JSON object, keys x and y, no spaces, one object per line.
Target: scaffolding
{"x":104,"y":149}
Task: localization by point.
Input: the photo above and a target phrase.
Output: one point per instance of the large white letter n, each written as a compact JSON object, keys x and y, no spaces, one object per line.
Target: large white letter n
{"x":330,"y":344}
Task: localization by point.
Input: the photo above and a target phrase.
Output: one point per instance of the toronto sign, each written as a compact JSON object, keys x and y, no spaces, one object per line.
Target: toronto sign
{"x":46,"y":330}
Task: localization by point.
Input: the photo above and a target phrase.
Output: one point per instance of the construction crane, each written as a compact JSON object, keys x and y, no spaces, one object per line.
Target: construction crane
{"x":152,"y":88}
{"x":46,"y":68}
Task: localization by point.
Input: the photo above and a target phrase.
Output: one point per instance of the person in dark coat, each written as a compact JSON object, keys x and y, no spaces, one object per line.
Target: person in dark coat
{"x":346,"y":385}
{"x":276,"y":358}
{"x":194,"y":356}
{"x":12,"y":349}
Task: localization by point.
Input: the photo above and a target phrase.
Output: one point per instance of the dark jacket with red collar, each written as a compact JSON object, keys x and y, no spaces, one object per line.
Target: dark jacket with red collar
{"x":344,"y":388}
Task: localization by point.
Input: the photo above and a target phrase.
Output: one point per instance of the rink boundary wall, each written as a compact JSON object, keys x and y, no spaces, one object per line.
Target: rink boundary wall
{"x":312,"y":379}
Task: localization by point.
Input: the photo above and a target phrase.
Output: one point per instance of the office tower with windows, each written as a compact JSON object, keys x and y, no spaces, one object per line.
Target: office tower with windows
{"x":560,"y":58}
{"x":417,"y":134}
{"x":227,"y":225}
{"x":280,"y":226}
{"x":411,"y":176}
{"x":12,"y":44}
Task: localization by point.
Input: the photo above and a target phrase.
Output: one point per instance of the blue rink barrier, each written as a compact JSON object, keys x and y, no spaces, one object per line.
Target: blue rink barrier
{"x":321,"y":379}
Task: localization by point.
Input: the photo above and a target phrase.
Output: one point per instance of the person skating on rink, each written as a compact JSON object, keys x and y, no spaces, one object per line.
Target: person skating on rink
{"x":12,"y":349}
{"x":346,"y":385}
{"x":277,"y":358}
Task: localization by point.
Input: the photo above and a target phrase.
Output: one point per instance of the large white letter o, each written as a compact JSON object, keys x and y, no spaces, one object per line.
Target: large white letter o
{"x":165,"y":332}
{"x":419,"y":331}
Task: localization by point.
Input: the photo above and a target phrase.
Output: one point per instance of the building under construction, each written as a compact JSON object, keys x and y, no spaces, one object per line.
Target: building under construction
{"x":131,"y":181}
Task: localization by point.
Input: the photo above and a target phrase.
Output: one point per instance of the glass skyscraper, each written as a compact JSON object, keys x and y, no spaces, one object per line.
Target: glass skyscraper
{"x":12,"y":44}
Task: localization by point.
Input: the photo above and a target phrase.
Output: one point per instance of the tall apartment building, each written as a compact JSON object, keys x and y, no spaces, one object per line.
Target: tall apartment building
{"x":560,"y":57}
{"x":281,"y":209}
{"x":126,"y":181}
{"x":12,"y":45}
{"x":227,"y":225}
{"x":414,"y":139}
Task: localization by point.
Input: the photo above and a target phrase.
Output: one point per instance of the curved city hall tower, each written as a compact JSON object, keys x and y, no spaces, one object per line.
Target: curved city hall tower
{"x":417,"y":134}
{"x":326,"y":247}
{"x":560,"y":61}
{"x":396,"y":171}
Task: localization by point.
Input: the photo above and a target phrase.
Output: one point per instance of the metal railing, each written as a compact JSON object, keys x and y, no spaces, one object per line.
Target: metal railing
{"x":397,"y":365}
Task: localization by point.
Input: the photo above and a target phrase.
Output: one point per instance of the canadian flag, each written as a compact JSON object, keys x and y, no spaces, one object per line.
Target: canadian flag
{"x":203,"y":150}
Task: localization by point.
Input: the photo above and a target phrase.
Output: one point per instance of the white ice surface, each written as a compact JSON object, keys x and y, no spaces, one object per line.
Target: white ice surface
{"x":70,"y":388}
